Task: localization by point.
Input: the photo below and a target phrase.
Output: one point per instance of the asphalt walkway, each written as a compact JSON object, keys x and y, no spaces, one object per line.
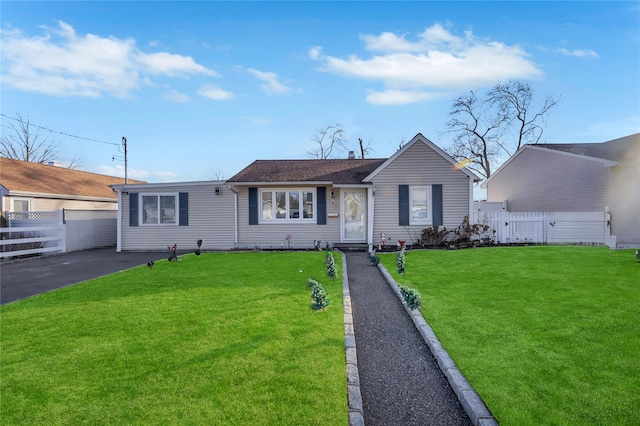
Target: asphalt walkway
{"x":400,"y":381}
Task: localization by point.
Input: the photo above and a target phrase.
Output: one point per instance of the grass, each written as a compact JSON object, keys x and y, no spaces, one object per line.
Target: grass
{"x":546,"y":335}
{"x":223,"y":338}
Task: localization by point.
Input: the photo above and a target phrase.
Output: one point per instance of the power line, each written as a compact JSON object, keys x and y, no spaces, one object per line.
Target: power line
{"x":61,"y":133}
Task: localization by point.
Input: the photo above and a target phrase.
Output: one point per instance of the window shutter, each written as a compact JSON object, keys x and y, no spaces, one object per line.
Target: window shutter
{"x":436,"y":202}
{"x":321,"y":206}
{"x":183,"y":201}
{"x":253,"y":206}
{"x":133,"y":209}
{"x":403,"y":206}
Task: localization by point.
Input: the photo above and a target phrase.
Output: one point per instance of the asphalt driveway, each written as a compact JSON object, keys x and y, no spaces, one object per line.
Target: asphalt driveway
{"x":27,"y":277}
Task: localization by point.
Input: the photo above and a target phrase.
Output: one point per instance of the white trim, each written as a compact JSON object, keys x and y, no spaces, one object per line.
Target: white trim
{"x":365,"y":213}
{"x":287,"y":220}
{"x":370,"y":207}
{"x":59,"y":196}
{"x":154,"y":186}
{"x":421,"y":222}
{"x":176,"y":207}
{"x":421,"y":138}
{"x":12,"y":201}
{"x":119,"y":223}
{"x":353,"y":185}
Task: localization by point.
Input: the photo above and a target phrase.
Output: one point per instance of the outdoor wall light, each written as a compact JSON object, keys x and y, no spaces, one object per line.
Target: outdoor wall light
{"x":218,"y":190}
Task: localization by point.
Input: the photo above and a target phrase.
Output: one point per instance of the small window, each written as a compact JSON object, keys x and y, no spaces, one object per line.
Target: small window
{"x":159,"y":209}
{"x":420,"y":205}
{"x":286,"y":205}
{"x":21,"y":205}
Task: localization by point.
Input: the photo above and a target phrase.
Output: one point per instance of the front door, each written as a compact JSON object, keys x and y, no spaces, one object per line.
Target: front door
{"x":354,"y":215}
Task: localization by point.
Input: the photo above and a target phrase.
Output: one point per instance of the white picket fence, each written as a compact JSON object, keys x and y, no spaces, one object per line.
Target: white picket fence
{"x":63,"y":231}
{"x":549,"y":227}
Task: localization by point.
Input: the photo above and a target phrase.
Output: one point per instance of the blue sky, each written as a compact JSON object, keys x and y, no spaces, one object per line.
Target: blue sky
{"x":201,"y":89}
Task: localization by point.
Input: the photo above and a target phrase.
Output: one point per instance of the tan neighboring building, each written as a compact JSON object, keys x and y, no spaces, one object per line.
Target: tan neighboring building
{"x":26,"y":186}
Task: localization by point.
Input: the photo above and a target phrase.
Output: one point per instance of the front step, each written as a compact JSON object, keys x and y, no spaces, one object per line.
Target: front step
{"x":362,"y":247}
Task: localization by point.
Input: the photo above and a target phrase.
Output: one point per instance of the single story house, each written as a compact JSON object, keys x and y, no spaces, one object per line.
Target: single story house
{"x":575,"y":177}
{"x":301,"y":203}
{"x":33,"y":187}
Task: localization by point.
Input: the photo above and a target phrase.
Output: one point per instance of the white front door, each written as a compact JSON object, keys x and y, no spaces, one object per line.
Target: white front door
{"x":354,"y":215}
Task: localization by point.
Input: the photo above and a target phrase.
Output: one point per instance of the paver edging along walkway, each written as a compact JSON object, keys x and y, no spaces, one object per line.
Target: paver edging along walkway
{"x":354,"y":397}
{"x":471,"y":401}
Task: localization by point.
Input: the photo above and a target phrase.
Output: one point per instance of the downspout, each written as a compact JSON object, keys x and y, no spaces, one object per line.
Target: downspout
{"x":119,"y":223}
{"x":371,"y":193}
{"x":471,"y":218}
{"x":235,"y":216}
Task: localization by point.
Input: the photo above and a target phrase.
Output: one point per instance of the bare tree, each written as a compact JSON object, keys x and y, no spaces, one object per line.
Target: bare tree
{"x":486,"y":130}
{"x":25,"y":144}
{"x":364,"y":149}
{"x":327,"y":139}
{"x":217,"y":175}
{"x":516,"y":104}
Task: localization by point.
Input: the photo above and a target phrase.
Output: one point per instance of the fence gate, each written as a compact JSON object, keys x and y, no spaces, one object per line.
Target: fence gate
{"x":32,"y":233}
{"x":548,"y":227}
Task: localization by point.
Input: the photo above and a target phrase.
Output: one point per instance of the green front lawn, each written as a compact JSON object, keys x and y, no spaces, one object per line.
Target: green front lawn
{"x":223,"y":338}
{"x":546,"y":335}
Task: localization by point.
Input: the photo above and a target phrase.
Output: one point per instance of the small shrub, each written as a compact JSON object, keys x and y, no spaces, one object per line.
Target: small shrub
{"x":638,"y":256}
{"x":331,"y":266}
{"x":319,"y":299}
{"x":411,"y":296}
{"x":374,"y":259}
{"x":400,"y":260}
{"x":434,"y":236}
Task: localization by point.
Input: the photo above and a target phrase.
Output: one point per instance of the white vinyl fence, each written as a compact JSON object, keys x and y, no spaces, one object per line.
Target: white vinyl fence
{"x":30,"y":233}
{"x":549,"y":227}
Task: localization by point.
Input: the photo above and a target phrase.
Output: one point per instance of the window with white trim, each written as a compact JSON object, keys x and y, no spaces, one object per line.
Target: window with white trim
{"x":287,"y":205}
{"x":420,"y":205}
{"x":159,"y":209}
{"x":20,"y":205}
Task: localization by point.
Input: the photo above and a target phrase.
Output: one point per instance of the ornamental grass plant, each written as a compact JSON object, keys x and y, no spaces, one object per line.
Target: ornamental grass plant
{"x":546,"y":335}
{"x":221,"y":338}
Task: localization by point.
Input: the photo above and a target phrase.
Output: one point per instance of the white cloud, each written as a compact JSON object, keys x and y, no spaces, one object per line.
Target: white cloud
{"x":315,"y":52}
{"x":63,"y":63}
{"x":415,"y":71}
{"x":175,"y":96}
{"x":261,"y":121}
{"x":215,"y":93}
{"x":400,"y":97}
{"x":146,"y":175}
{"x":271,"y":84}
{"x":581,"y":53}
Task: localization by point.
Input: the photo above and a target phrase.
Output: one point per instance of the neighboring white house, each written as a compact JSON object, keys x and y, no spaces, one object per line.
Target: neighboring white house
{"x":575,"y":177}
{"x":32,"y":187}
{"x":296,"y":203}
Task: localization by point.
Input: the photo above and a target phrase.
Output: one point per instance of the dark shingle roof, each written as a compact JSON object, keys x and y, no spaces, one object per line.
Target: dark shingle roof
{"x":335,"y":171}
{"x":16,"y":175}
{"x":626,"y":148}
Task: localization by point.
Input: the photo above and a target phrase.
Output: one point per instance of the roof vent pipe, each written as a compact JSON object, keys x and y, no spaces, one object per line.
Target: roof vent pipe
{"x":352,"y":155}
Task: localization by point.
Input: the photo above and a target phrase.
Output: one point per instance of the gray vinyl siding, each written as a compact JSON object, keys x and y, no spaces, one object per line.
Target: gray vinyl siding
{"x":211,"y":219}
{"x":273,"y":235}
{"x":547,"y":181}
{"x":418,"y":165}
{"x":623,"y":199}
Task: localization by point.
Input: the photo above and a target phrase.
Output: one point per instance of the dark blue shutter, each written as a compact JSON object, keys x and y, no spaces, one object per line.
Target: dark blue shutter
{"x":253,"y":206}
{"x":133,"y":209}
{"x":321,"y":206}
{"x":183,"y":201}
{"x":403,"y":205}
{"x":436,"y":202}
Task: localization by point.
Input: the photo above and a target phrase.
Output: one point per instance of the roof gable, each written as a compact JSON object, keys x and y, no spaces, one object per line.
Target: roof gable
{"x":608,"y":153}
{"x":24,"y":176}
{"x":344,"y":171}
{"x":419,"y":138}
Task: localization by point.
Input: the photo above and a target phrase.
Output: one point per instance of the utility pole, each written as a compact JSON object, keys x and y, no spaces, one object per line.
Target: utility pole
{"x":124,"y":144}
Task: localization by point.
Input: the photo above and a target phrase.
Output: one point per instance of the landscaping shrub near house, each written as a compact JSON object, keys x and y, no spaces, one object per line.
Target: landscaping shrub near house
{"x":546,"y":334}
{"x":220,"y":338}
